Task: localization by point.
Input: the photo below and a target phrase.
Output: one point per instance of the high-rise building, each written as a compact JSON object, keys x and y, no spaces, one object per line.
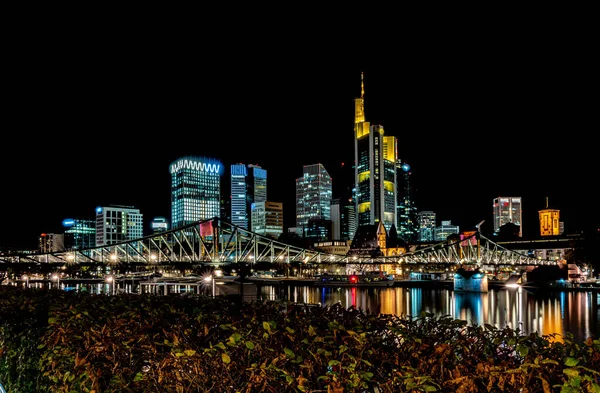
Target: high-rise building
{"x":79,"y":234}
{"x":507,"y":210}
{"x":267,"y":218}
{"x":550,"y":224}
{"x":248,"y":186}
{"x":426,"y":226}
{"x":115,"y":224}
{"x":375,"y":157}
{"x":195,"y":190}
{"x":408,"y":226}
{"x":444,"y":230}
{"x":313,"y":196}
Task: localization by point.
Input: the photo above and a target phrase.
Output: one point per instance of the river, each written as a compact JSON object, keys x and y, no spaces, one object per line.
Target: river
{"x":545,"y":313}
{"x":551,"y":312}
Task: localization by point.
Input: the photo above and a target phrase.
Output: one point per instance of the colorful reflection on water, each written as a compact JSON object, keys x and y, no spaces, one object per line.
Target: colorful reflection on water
{"x":546,"y":314}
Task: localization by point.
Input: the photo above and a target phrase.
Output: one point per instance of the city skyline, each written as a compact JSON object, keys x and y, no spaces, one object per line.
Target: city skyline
{"x":470,"y":135}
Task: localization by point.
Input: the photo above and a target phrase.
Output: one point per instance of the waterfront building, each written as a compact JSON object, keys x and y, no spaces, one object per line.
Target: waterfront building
{"x":507,"y":210}
{"x":51,"y":242}
{"x":248,"y":186}
{"x":550,"y":224}
{"x":115,"y":224}
{"x":267,"y":218}
{"x":337,"y":247}
{"x":79,"y":234}
{"x":375,"y":156}
{"x":313,"y":199}
{"x":408,"y":226}
{"x":427,"y":224}
{"x":444,"y":230}
{"x":159,"y":224}
{"x":195,"y":190}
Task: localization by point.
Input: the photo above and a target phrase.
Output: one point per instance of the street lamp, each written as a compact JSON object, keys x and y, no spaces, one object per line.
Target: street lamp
{"x":111,"y":282}
{"x":212,"y":279}
{"x":56,"y":277}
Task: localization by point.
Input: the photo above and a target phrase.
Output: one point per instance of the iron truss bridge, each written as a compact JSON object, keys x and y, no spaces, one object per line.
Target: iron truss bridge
{"x":217,"y":242}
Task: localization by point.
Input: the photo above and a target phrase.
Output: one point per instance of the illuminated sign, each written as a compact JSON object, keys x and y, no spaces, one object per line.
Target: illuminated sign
{"x":211,"y":166}
{"x":68,"y":222}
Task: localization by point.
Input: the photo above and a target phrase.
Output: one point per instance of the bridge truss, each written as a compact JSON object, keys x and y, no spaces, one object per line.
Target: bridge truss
{"x":217,"y":242}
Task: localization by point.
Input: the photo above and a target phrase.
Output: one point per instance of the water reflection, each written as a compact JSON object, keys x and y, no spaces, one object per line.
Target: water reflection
{"x":545,"y":314}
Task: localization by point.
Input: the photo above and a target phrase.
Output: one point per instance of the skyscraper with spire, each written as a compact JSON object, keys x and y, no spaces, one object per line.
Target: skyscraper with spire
{"x":375,"y":157}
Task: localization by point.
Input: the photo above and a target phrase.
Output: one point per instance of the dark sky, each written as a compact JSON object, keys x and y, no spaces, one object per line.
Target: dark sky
{"x":99,"y":123}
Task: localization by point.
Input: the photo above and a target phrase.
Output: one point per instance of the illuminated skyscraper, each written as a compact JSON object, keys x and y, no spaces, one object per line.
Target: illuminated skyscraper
{"x":507,"y":210}
{"x":195,"y":190}
{"x":248,"y":186}
{"x":375,"y":157}
{"x":426,"y":226}
{"x":408,"y":226}
{"x":267,"y":218}
{"x":313,"y":197}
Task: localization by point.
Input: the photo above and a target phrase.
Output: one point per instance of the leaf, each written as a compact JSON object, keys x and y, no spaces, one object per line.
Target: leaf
{"x":52,"y":321}
{"x":266,"y":326}
{"x":225,"y":358}
{"x":523,"y":351}
{"x":312,"y":331}
{"x":333,"y":363}
{"x":289,"y":353}
{"x":571,"y":362}
{"x":249,"y":345}
{"x":189,"y":352}
{"x":290,"y":330}
{"x":571,"y":372}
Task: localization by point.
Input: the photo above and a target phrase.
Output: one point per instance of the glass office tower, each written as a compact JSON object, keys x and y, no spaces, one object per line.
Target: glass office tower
{"x":195,"y":190}
{"x":375,"y":157}
{"x":313,"y":196}
{"x":248,"y":186}
{"x":507,"y":210}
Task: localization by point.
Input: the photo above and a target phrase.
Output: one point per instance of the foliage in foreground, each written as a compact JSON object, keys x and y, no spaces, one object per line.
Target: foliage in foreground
{"x":56,"y":341}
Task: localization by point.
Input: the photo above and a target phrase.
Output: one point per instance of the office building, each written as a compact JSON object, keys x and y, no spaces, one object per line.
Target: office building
{"x":408,"y":225}
{"x":159,"y":224}
{"x":550,"y":224}
{"x":313,"y":199}
{"x":267,"y":218}
{"x":375,"y":156}
{"x":51,"y":242}
{"x":507,"y":210}
{"x":195,"y":190}
{"x":427,"y":224}
{"x":248,"y":186}
{"x":79,"y":234}
{"x":116,"y":224}
{"x":444,"y":230}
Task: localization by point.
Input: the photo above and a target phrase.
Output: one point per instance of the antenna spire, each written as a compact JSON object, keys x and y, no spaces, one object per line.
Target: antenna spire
{"x":362,"y":85}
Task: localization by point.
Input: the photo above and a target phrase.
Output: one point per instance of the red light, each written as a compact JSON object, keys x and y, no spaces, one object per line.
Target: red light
{"x":353,"y":278}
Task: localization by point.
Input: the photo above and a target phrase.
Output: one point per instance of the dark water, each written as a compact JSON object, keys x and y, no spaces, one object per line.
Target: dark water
{"x":547,"y":313}
{"x":552,"y":312}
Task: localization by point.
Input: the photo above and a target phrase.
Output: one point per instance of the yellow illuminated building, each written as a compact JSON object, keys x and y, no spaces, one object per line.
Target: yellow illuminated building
{"x":549,"y":221}
{"x":375,"y":158}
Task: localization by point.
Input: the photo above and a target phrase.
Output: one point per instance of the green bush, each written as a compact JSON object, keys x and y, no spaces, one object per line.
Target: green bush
{"x":56,"y":341}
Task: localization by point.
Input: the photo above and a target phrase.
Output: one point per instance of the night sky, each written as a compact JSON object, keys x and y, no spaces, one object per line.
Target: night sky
{"x":99,"y":124}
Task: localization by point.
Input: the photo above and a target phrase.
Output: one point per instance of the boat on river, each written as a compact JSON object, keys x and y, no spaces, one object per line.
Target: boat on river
{"x":367,"y":279}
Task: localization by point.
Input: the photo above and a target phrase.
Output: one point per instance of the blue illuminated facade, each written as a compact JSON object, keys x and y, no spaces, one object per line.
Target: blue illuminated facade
{"x":248,"y":186}
{"x":195,"y":190}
